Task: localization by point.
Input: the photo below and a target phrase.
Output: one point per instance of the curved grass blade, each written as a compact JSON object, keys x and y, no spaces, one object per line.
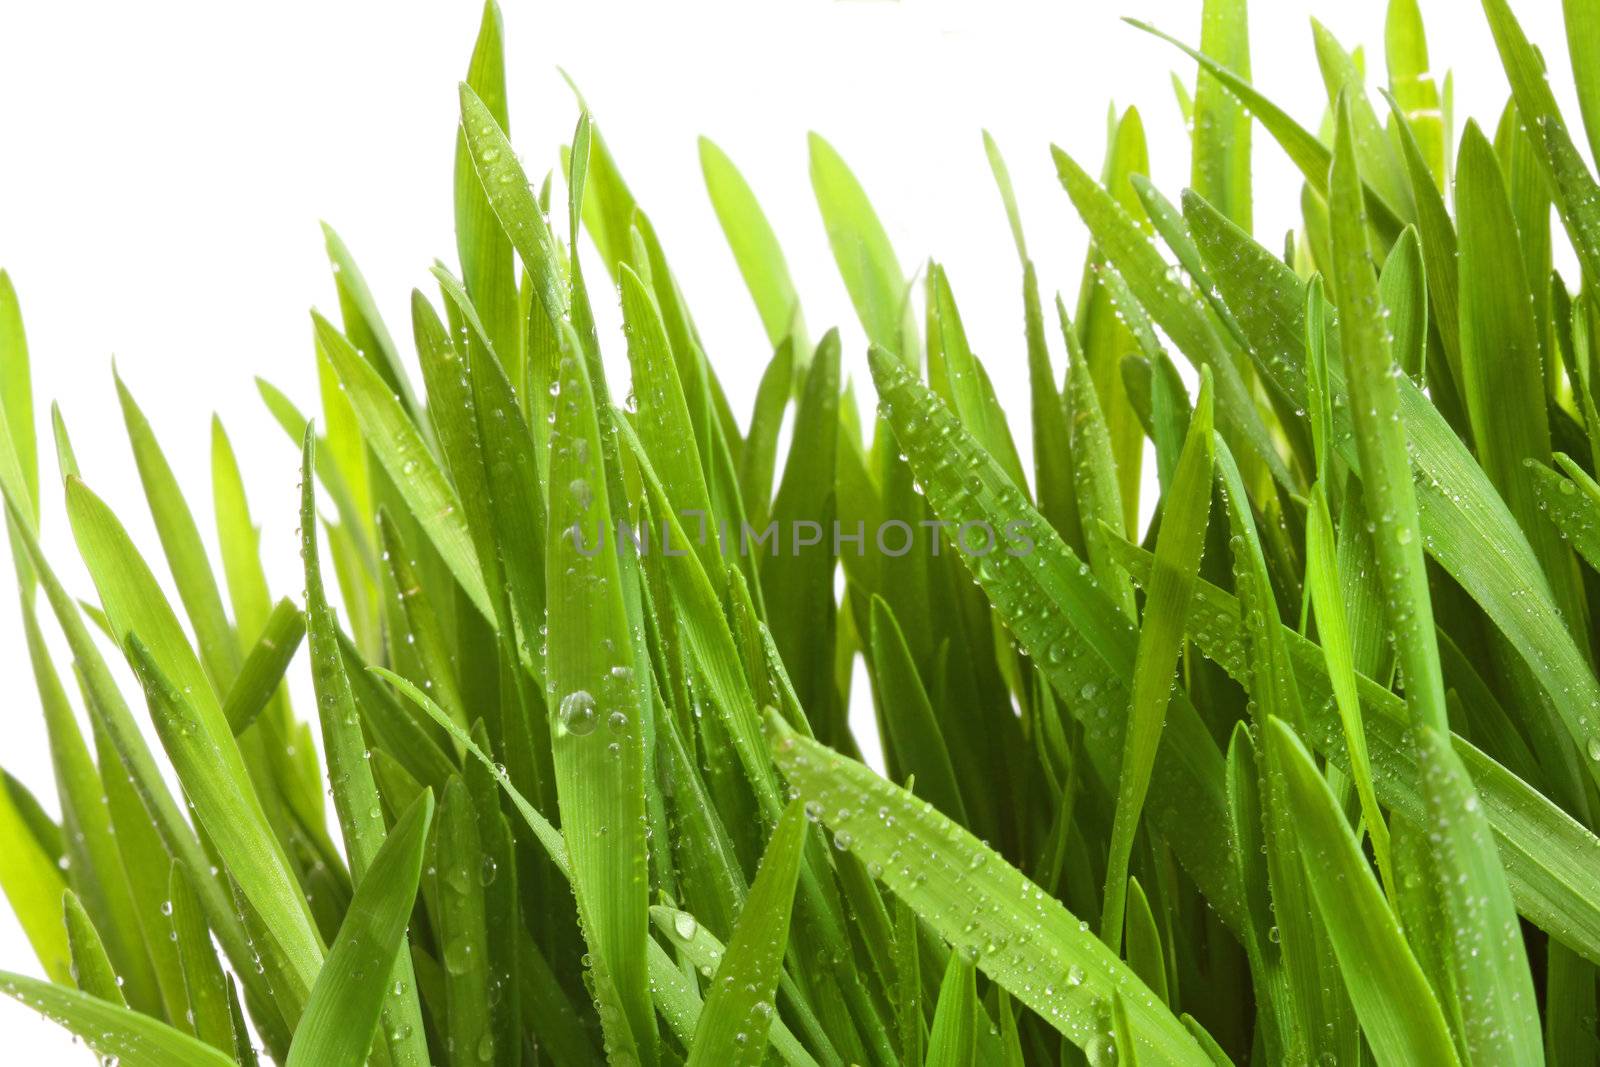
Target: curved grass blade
{"x":1175,"y":308}
{"x":401,"y":450}
{"x":1072,"y":632}
{"x":345,"y":1003}
{"x":186,"y":554}
{"x":33,"y":886}
{"x":127,"y":1037}
{"x":989,"y":911}
{"x":354,"y":792}
{"x":91,"y":967}
{"x":739,"y":1010}
{"x":1402,"y":1020}
{"x":1303,"y":148}
{"x":195,"y":735}
{"x":264,"y":667}
{"x":866,"y":259}
{"x":755,"y":248}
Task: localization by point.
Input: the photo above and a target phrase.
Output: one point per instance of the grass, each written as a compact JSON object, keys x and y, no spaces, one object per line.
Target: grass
{"x":1303,"y":770}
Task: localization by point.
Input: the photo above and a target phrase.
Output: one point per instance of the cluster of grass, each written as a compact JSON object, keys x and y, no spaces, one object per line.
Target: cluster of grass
{"x":1304,"y":772}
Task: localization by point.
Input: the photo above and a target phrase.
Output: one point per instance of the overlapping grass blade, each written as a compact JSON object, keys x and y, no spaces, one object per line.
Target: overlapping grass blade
{"x":733,"y":1024}
{"x":115,"y":1032}
{"x":1010,"y":929}
{"x":343,"y":1009}
{"x":1399,"y":1014}
{"x":1185,"y":513}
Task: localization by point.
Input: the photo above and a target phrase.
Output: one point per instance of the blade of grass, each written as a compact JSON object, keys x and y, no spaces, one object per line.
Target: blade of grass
{"x":596,"y":735}
{"x":866,"y":259}
{"x":131,"y":1039}
{"x":953,"y":1041}
{"x":739,"y":1010}
{"x":343,"y":1010}
{"x":987,"y":909}
{"x":755,"y":248}
{"x":1398,"y":1011}
{"x":1179,"y":547}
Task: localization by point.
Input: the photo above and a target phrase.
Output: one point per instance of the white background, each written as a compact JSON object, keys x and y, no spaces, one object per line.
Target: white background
{"x":163,"y":167}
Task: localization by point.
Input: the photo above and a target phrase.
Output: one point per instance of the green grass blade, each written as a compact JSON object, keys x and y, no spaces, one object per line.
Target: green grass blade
{"x":733,"y":1025}
{"x":1176,"y":309}
{"x":487,"y":266}
{"x":913,"y":733}
{"x":1399,"y":1014}
{"x":232,"y":819}
{"x":1403,"y":288}
{"x":1022,"y":938}
{"x":1084,"y":646}
{"x":1412,"y":84}
{"x":1466,"y":527}
{"x":1380,"y":442}
{"x":1102,"y":331}
{"x":1502,"y":371}
{"x":202,"y":974}
{"x":1179,"y":546}
{"x":264,"y":667}
{"x":355,"y":794}
{"x":130,"y":1039}
{"x":755,"y":247}
{"x":663,"y":413}
{"x":953,"y":1041}
{"x":1333,"y":631}
{"x":16,"y":390}
{"x":1583,"y":45}
{"x":91,"y":967}
{"x":1303,"y":148}
{"x":186,"y":554}
{"x":196,"y":736}
{"x":365,"y":327}
{"x":455,"y":865}
{"x":512,"y":198}
{"x":866,"y":259}
{"x":342,"y":1012}
{"x":1094,"y":471}
{"x":1549,"y":857}
{"x":401,"y":450}
{"x":597,"y":729}
{"x":1493,"y":986}
{"x":1143,"y":940}
{"x":90,"y":844}
{"x":33,"y":886}
{"x":1220,"y":167}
